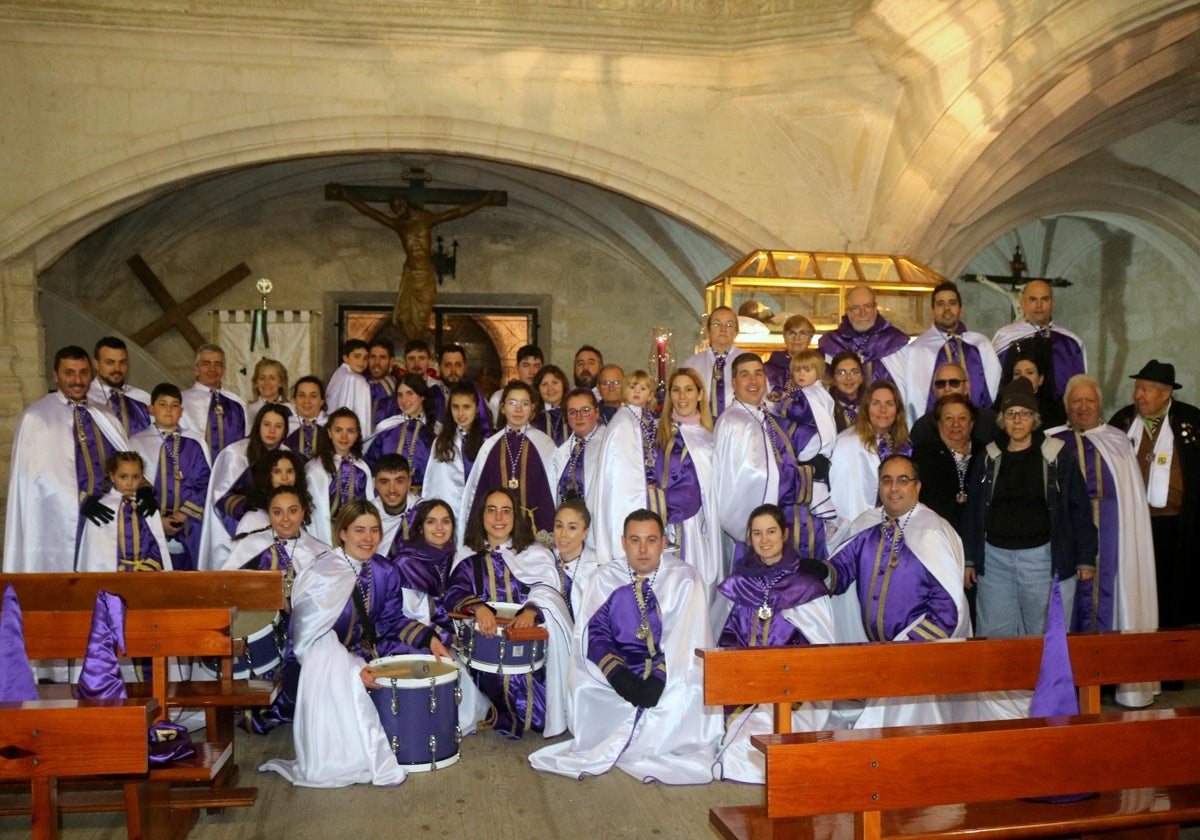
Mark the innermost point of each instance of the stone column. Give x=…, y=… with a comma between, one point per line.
x=22, y=355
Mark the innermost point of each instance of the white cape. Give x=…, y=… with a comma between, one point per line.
x=98, y=543
x=347, y=389
x=318, y=487
x=937, y=545
x=339, y=739
x=914, y=365
x=675, y=741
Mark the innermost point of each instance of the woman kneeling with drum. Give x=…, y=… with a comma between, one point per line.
x=346, y=609
x=501, y=571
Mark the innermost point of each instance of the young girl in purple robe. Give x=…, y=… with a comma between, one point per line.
x=337, y=473
x=501, y=562
x=779, y=598
x=132, y=541
x=409, y=433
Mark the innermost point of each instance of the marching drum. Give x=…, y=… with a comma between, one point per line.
x=259, y=631
x=418, y=707
x=510, y=651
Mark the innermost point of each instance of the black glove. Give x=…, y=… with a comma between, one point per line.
x=650, y=691
x=147, y=502
x=814, y=567
x=98, y=512
x=626, y=684
x=820, y=467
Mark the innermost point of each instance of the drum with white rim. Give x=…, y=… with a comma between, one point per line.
x=510, y=651
x=418, y=708
x=260, y=633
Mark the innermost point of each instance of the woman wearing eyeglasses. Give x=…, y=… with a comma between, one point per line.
x=846, y=388
x=1027, y=518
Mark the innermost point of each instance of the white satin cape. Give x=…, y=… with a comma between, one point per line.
x=913, y=367
x=227, y=468
x=303, y=550
x=535, y=567
x=1136, y=605
x=195, y=408
x=937, y=545
x=745, y=475
x=619, y=482
x=542, y=442
x=737, y=759
x=446, y=480
x=703, y=363
x=98, y=543
x=675, y=741
x=347, y=389
x=318, y=487
x=853, y=480
x=43, y=492
x=338, y=737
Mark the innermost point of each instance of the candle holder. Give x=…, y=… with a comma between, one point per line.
x=662, y=359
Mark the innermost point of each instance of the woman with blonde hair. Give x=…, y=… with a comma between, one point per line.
x=879, y=430
x=269, y=383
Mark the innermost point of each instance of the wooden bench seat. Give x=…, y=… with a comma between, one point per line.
x=44, y=742
x=966, y=780
x=247, y=591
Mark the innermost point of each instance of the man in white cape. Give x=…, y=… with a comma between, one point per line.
x=645, y=715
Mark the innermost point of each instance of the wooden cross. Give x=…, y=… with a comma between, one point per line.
x=177, y=314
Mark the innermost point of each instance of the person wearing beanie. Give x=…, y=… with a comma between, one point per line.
x=1027, y=518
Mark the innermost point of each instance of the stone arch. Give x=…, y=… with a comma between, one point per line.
x=52, y=223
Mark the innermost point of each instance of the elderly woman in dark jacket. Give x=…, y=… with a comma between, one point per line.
x=1027, y=516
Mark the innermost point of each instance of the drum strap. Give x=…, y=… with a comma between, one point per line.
x=368, y=625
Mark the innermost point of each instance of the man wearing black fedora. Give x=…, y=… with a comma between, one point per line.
x=1165, y=435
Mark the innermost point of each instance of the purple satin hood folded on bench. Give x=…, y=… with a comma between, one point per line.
x=101, y=675
x=16, y=676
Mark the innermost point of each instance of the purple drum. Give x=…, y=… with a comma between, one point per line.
x=418, y=707
x=499, y=654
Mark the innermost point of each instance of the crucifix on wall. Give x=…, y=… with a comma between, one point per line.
x=413, y=224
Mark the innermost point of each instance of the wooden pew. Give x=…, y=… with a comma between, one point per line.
x=783, y=676
x=43, y=741
x=244, y=590
x=155, y=634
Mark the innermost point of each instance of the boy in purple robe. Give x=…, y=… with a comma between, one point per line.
x=178, y=468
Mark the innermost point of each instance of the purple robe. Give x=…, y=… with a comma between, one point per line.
x=424, y=568
x=412, y=439
x=966, y=356
x=226, y=422
x=383, y=398
x=181, y=484
x=892, y=597
x=304, y=439
x=613, y=634
x=91, y=451
x=779, y=372
x=795, y=490
x=537, y=500
x=403, y=533
x=518, y=700
x=676, y=497
x=379, y=582
x=552, y=421
x=845, y=409
x=132, y=414
x=1066, y=356
x=789, y=587
x=880, y=340
x=1095, y=598
x=137, y=548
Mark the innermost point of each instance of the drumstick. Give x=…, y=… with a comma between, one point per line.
x=415, y=670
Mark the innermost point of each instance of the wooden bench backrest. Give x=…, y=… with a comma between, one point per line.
x=912, y=766
x=245, y=590
x=734, y=676
x=74, y=737
x=148, y=633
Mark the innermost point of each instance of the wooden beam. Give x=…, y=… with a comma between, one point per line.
x=177, y=314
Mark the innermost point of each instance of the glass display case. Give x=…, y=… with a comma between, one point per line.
x=765, y=288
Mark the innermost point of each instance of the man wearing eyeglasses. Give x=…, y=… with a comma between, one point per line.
x=712, y=363
x=901, y=567
x=864, y=331
x=611, y=386
x=579, y=456
x=947, y=341
x=952, y=379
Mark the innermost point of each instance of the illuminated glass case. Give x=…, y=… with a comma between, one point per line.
x=765, y=288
